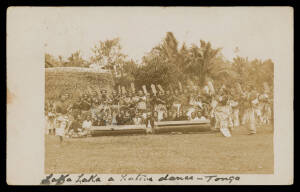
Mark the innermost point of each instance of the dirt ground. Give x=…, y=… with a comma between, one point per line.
x=203, y=153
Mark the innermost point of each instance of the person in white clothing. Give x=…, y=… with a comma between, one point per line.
x=87, y=125
x=61, y=121
x=223, y=116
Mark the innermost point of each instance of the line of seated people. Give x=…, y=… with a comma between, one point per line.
x=80, y=125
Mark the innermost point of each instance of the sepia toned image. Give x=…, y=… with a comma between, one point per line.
x=174, y=94
x=180, y=107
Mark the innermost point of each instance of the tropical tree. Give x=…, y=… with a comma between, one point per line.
x=169, y=47
x=167, y=64
x=254, y=72
x=75, y=60
x=155, y=70
x=51, y=61
x=205, y=63
x=162, y=65
x=126, y=73
x=108, y=55
x=240, y=65
x=267, y=70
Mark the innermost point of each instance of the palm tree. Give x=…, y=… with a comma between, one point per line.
x=205, y=62
x=170, y=46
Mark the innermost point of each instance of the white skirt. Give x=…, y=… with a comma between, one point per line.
x=225, y=132
x=61, y=125
x=60, y=131
x=236, y=117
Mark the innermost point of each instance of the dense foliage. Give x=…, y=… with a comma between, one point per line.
x=167, y=64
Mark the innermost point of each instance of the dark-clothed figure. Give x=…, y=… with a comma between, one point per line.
x=75, y=125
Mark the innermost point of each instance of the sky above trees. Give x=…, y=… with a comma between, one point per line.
x=257, y=32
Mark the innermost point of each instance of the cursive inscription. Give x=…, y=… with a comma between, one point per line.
x=56, y=180
x=229, y=179
x=83, y=179
x=139, y=177
x=125, y=178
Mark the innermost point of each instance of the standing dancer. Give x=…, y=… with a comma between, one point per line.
x=214, y=104
x=51, y=119
x=222, y=113
x=235, y=111
x=249, y=116
x=266, y=109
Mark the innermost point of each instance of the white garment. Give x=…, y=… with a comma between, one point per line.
x=255, y=101
x=258, y=112
x=233, y=103
x=144, y=115
x=249, y=119
x=225, y=132
x=190, y=111
x=137, y=121
x=142, y=103
x=206, y=89
x=214, y=104
x=61, y=125
x=60, y=131
x=87, y=124
x=211, y=88
x=236, y=120
x=160, y=115
x=196, y=118
x=149, y=128
x=203, y=118
x=177, y=106
x=199, y=104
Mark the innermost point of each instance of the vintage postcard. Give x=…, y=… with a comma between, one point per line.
x=150, y=95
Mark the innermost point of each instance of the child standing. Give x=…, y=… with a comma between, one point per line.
x=149, y=123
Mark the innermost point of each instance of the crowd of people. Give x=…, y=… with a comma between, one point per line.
x=226, y=108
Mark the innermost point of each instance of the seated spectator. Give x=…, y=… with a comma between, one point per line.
x=200, y=115
x=85, y=103
x=193, y=116
x=183, y=115
x=109, y=119
x=155, y=116
x=104, y=120
x=120, y=117
x=171, y=115
x=165, y=117
x=126, y=118
x=97, y=121
x=177, y=117
x=137, y=119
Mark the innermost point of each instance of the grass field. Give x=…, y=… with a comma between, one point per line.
x=205, y=153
